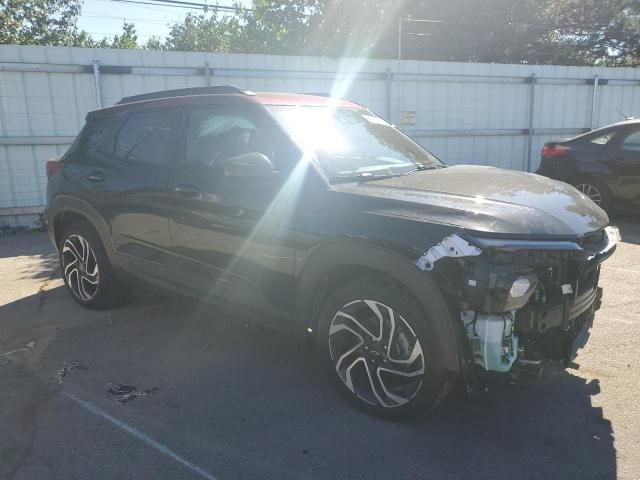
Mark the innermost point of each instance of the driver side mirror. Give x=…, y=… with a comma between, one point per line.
x=252, y=164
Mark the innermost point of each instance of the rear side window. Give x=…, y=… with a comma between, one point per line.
x=146, y=137
x=632, y=142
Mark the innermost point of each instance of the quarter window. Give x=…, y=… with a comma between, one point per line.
x=632, y=142
x=96, y=142
x=146, y=137
x=603, y=139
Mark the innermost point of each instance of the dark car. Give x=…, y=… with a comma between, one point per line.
x=328, y=223
x=603, y=164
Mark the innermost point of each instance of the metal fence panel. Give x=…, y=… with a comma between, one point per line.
x=489, y=114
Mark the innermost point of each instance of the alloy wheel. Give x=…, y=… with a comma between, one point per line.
x=80, y=267
x=376, y=354
x=592, y=192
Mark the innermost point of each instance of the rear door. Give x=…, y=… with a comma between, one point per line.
x=131, y=156
x=231, y=235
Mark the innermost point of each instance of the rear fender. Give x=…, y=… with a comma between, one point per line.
x=64, y=203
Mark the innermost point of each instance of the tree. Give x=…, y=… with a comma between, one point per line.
x=278, y=26
x=127, y=39
x=203, y=33
x=38, y=22
x=154, y=43
x=592, y=31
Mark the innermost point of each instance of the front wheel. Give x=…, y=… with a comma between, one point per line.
x=374, y=339
x=86, y=270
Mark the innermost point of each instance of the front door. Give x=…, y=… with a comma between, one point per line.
x=231, y=235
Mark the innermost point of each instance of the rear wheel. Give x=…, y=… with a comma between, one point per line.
x=595, y=191
x=374, y=340
x=86, y=270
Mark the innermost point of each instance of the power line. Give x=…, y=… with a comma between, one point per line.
x=183, y=4
x=123, y=17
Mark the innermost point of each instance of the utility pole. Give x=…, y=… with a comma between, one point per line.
x=400, y=38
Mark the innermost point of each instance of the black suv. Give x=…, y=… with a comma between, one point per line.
x=334, y=226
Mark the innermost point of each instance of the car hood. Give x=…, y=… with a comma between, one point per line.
x=483, y=199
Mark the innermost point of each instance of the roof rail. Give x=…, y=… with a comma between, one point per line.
x=183, y=92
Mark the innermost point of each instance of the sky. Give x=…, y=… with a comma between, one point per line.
x=104, y=18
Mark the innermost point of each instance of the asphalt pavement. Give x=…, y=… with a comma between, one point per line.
x=167, y=388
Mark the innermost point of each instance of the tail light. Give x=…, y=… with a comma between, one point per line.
x=52, y=167
x=553, y=150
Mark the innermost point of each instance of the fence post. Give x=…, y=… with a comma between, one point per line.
x=532, y=97
x=207, y=74
x=594, y=99
x=388, y=80
x=96, y=79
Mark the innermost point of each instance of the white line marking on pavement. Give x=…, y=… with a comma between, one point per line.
x=91, y=407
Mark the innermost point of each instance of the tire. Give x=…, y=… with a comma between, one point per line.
x=388, y=373
x=86, y=270
x=595, y=190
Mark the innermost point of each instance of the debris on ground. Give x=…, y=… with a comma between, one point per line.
x=126, y=393
x=66, y=368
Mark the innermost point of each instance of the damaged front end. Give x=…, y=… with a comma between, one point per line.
x=520, y=302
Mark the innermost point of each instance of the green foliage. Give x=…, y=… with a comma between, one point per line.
x=39, y=22
x=203, y=33
x=595, y=31
x=575, y=32
x=127, y=39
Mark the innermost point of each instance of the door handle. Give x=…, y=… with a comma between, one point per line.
x=187, y=190
x=96, y=177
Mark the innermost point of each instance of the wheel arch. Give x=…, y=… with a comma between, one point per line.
x=609, y=189
x=341, y=261
x=65, y=211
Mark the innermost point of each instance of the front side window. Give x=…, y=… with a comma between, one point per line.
x=146, y=137
x=632, y=142
x=214, y=136
x=352, y=141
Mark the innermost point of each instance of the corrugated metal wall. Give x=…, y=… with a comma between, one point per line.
x=465, y=113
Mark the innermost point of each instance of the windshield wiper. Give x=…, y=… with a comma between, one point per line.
x=359, y=177
x=421, y=167
x=368, y=176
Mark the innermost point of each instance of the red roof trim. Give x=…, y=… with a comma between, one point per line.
x=295, y=99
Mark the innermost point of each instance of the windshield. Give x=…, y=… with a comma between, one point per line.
x=350, y=142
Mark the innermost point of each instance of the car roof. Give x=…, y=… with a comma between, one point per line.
x=220, y=94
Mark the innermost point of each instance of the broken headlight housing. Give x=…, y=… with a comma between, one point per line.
x=497, y=289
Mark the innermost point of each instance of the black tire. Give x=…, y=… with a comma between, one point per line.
x=416, y=394
x=107, y=291
x=590, y=187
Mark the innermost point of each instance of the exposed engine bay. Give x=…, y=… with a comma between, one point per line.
x=522, y=303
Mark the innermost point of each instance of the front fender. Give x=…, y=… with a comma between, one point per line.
x=345, y=253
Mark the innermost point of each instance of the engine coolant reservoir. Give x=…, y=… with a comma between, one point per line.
x=493, y=344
